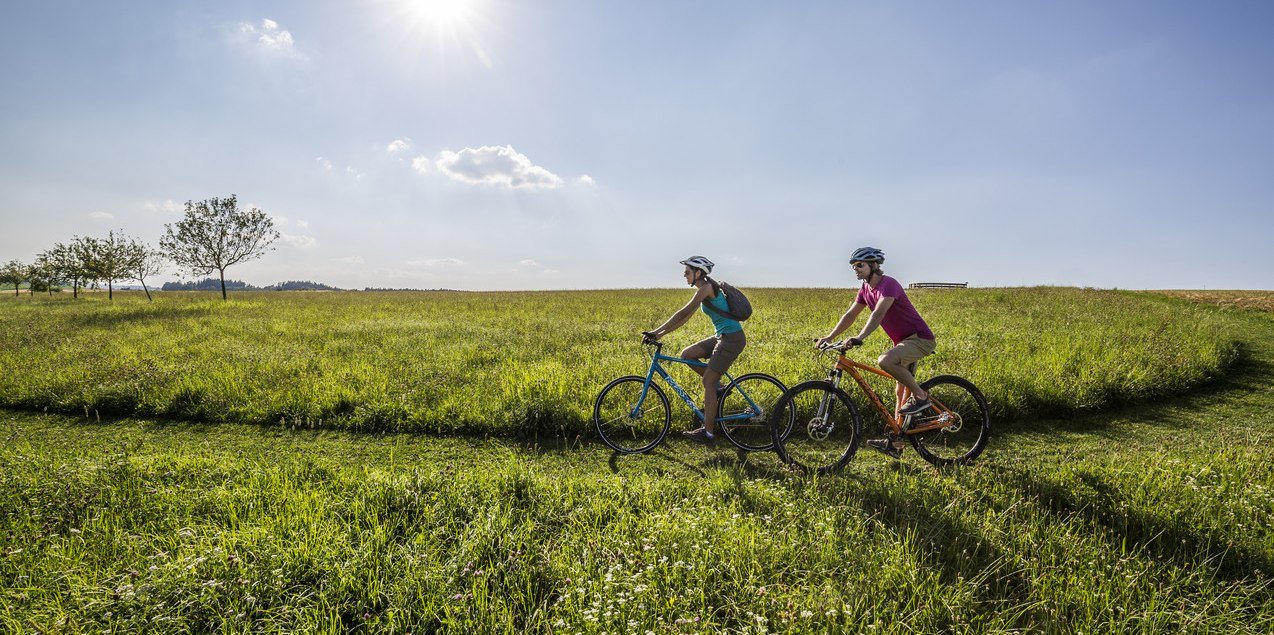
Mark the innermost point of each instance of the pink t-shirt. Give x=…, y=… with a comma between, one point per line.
x=902, y=320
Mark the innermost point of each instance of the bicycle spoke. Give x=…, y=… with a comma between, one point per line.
x=956, y=428
x=623, y=425
x=744, y=409
x=815, y=427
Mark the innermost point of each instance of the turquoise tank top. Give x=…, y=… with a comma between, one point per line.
x=722, y=323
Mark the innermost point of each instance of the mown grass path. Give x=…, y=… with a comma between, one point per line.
x=1150, y=519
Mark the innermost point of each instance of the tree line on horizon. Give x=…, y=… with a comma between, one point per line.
x=213, y=235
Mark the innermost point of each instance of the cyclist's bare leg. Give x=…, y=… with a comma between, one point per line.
x=710, y=380
x=890, y=363
x=690, y=353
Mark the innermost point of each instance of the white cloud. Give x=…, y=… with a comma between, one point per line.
x=323, y=163
x=349, y=170
x=270, y=37
x=435, y=263
x=531, y=265
x=300, y=242
x=585, y=180
x=167, y=206
x=303, y=224
x=420, y=164
x=353, y=260
x=397, y=145
x=101, y=216
x=495, y=165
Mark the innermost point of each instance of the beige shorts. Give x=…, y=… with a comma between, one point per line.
x=720, y=350
x=913, y=349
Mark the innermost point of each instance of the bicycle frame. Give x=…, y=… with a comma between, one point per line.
x=897, y=421
x=657, y=368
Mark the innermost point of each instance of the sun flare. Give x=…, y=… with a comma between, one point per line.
x=442, y=13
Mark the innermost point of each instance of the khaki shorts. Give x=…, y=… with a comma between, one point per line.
x=913, y=349
x=720, y=351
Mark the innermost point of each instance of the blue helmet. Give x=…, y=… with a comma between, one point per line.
x=867, y=254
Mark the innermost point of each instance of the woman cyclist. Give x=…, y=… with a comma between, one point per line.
x=720, y=350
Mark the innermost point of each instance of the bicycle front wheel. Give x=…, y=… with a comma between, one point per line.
x=815, y=427
x=956, y=428
x=630, y=416
x=743, y=411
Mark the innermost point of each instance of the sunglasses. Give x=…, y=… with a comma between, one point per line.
x=859, y=265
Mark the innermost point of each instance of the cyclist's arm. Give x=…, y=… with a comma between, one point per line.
x=683, y=314
x=844, y=323
x=877, y=314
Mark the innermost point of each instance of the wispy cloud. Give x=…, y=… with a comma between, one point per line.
x=298, y=241
x=167, y=206
x=495, y=165
x=398, y=145
x=435, y=263
x=323, y=163
x=269, y=36
x=353, y=260
x=101, y=216
x=421, y=164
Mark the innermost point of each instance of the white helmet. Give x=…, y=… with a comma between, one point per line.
x=700, y=263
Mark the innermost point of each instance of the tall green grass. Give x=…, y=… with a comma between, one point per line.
x=137, y=527
x=526, y=364
x=1150, y=519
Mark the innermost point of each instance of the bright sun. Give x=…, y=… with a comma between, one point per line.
x=442, y=13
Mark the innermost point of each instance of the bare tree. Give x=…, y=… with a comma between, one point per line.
x=15, y=273
x=216, y=234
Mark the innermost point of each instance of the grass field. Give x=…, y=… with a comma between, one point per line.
x=530, y=364
x=1153, y=518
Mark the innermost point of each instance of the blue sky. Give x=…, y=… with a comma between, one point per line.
x=492, y=144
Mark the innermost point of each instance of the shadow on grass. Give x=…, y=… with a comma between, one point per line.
x=1166, y=537
x=957, y=551
x=1249, y=376
x=131, y=314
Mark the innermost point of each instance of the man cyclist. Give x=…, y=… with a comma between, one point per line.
x=892, y=311
x=720, y=350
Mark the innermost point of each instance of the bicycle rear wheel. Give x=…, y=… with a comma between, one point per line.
x=815, y=427
x=751, y=398
x=956, y=428
x=627, y=421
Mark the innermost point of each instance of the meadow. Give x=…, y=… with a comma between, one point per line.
x=530, y=364
x=1138, y=511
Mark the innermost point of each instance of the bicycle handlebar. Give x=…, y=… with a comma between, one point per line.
x=839, y=348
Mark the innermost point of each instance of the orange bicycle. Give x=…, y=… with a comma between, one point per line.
x=815, y=425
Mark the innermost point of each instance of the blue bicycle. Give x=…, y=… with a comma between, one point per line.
x=632, y=413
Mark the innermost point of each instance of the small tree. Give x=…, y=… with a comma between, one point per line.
x=44, y=273
x=78, y=263
x=113, y=258
x=15, y=273
x=147, y=262
x=215, y=234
